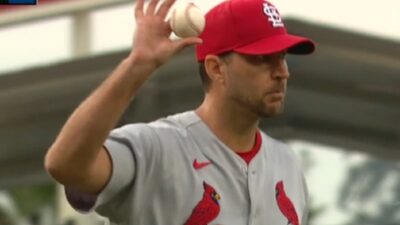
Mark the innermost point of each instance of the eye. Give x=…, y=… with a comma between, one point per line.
x=254, y=59
x=265, y=59
x=274, y=58
x=282, y=55
x=257, y=59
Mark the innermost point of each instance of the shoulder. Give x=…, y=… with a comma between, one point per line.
x=174, y=124
x=279, y=150
x=275, y=144
x=162, y=132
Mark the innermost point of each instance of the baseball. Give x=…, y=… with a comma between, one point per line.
x=187, y=20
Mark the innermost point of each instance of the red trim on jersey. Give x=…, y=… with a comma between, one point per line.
x=249, y=155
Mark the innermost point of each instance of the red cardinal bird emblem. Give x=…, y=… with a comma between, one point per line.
x=285, y=204
x=207, y=209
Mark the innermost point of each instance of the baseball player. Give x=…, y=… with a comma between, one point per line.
x=212, y=165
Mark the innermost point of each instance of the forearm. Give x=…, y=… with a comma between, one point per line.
x=80, y=140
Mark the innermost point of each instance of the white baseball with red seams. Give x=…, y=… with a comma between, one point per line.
x=187, y=20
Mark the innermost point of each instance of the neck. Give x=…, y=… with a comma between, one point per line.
x=234, y=126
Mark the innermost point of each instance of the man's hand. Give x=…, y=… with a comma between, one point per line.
x=152, y=43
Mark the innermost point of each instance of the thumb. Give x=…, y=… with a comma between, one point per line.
x=183, y=43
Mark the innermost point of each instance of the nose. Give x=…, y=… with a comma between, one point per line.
x=281, y=70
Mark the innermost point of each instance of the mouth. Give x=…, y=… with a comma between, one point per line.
x=277, y=96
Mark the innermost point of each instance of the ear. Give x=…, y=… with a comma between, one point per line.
x=215, y=68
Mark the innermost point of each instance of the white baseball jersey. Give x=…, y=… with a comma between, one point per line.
x=175, y=171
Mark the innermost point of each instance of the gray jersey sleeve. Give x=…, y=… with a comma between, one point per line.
x=130, y=147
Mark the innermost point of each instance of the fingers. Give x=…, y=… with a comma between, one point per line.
x=152, y=7
x=164, y=8
x=139, y=8
x=181, y=44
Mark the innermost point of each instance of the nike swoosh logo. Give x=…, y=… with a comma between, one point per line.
x=199, y=165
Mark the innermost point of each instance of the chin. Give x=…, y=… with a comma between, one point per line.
x=271, y=112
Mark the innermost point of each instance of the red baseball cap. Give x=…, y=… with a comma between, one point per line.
x=252, y=27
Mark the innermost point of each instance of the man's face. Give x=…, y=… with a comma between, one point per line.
x=257, y=82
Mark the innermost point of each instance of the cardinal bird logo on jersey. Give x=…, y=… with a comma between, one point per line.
x=285, y=204
x=207, y=209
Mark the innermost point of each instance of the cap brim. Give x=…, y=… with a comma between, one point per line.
x=278, y=43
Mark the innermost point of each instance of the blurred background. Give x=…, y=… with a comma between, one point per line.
x=342, y=112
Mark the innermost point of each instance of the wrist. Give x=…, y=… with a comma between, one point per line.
x=133, y=71
x=137, y=68
x=139, y=61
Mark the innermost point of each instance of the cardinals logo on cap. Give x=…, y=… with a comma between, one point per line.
x=273, y=15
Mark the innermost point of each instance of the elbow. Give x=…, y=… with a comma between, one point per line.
x=62, y=169
x=57, y=168
x=52, y=167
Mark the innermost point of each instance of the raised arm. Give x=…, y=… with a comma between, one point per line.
x=77, y=157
